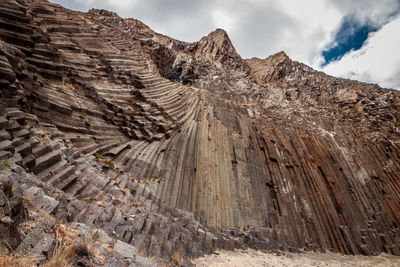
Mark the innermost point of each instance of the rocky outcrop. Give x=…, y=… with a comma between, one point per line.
x=171, y=147
x=270, y=69
x=12, y=210
x=216, y=47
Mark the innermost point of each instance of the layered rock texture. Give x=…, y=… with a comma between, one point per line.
x=171, y=147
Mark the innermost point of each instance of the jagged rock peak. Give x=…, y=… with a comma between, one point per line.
x=217, y=46
x=218, y=34
x=274, y=59
x=269, y=69
x=279, y=57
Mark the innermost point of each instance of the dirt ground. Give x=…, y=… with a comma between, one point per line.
x=255, y=259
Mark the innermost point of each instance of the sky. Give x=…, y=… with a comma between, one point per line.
x=356, y=39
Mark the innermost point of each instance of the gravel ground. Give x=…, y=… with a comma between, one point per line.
x=254, y=258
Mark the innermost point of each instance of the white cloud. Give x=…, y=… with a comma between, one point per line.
x=376, y=12
x=257, y=27
x=315, y=22
x=303, y=29
x=123, y=4
x=378, y=61
x=224, y=19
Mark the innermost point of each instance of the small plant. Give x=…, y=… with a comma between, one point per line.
x=176, y=259
x=85, y=248
x=46, y=81
x=68, y=246
x=8, y=166
x=27, y=201
x=63, y=78
x=64, y=251
x=131, y=100
x=103, y=160
x=153, y=129
x=110, y=164
x=96, y=236
x=63, y=255
x=132, y=190
x=145, y=48
x=137, y=109
x=157, y=179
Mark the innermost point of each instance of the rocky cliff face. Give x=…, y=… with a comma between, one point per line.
x=181, y=147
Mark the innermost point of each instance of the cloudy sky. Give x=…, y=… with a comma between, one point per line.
x=357, y=39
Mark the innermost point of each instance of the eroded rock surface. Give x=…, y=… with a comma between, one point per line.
x=174, y=147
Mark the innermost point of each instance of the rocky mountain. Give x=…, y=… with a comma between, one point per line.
x=145, y=146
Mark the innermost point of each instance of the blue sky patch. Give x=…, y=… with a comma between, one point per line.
x=350, y=36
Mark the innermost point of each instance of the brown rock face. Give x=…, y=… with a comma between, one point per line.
x=270, y=69
x=216, y=47
x=265, y=153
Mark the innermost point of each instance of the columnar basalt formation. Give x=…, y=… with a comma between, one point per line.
x=196, y=148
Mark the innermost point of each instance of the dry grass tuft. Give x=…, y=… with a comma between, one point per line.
x=157, y=179
x=85, y=248
x=104, y=160
x=12, y=260
x=64, y=232
x=6, y=165
x=8, y=259
x=69, y=245
x=63, y=255
x=64, y=251
x=176, y=259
